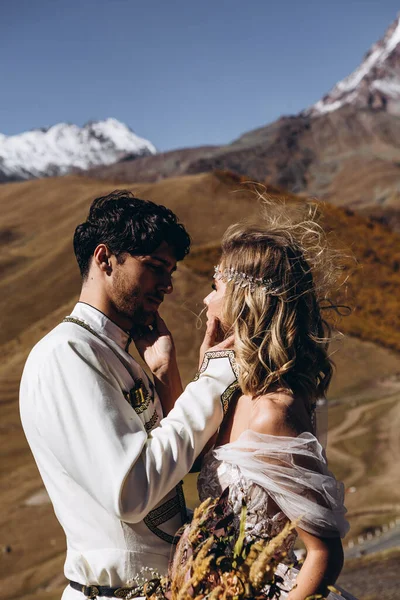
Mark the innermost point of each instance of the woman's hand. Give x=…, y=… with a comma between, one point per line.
x=214, y=339
x=156, y=346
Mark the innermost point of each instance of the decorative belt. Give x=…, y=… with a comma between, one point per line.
x=92, y=591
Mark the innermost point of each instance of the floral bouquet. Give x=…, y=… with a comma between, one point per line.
x=214, y=560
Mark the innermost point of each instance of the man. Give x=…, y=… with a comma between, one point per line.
x=111, y=463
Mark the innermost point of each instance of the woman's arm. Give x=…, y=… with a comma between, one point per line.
x=324, y=559
x=198, y=463
x=213, y=340
x=321, y=568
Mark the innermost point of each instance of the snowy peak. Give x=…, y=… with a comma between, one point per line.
x=375, y=83
x=65, y=147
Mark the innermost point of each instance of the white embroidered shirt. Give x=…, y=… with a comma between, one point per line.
x=111, y=464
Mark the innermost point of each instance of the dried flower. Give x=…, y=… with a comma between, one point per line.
x=215, y=562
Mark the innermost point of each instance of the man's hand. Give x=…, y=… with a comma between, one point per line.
x=157, y=349
x=214, y=339
x=155, y=345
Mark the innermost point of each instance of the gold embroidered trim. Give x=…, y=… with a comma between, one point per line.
x=139, y=396
x=218, y=354
x=228, y=395
x=165, y=512
x=149, y=425
x=233, y=387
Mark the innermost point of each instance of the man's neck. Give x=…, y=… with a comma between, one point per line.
x=103, y=304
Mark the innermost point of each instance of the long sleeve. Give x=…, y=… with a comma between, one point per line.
x=99, y=440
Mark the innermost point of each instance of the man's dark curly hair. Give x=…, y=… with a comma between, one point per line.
x=126, y=224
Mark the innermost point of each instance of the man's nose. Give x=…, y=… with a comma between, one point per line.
x=166, y=285
x=170, y=288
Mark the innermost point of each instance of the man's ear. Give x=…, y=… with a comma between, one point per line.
x=102, y=258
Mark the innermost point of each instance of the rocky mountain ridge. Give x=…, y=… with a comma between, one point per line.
x=64, y=147
x=344, y=149
x=375, y=83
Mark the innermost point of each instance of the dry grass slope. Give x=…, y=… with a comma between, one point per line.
x=40, y=284
x=373, y=577
x=373, y=287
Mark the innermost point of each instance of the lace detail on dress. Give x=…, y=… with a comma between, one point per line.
x=216, y=476
x=267, y=472
x=263, y=471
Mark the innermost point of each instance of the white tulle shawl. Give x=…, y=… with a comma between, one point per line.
x=294, y=472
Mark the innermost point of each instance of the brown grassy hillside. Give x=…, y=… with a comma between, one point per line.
x=349, y=157
x=39, y=273
x=373, y=288
x=38, y=219
x=40, y=283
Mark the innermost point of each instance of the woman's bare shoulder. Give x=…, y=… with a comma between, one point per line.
x=272, y=415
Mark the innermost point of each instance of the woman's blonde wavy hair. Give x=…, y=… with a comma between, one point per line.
x=281, y=339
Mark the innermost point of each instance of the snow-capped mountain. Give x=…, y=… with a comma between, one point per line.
x=65, y=147
x=375, y=83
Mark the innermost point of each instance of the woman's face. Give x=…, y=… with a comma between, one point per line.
x=214, y=301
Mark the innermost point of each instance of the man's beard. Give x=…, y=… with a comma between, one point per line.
x=126, y=302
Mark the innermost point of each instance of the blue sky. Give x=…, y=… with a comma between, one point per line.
x=178, y=72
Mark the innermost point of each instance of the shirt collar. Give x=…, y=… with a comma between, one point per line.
x=102, y=324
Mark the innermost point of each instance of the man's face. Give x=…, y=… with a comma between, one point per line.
x=138, y=285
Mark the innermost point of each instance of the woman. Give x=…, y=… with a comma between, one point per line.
x=267, y=294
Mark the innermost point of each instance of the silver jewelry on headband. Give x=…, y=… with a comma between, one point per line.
x=243, y=280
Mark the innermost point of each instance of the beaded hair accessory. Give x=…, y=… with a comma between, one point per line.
x=243, y=280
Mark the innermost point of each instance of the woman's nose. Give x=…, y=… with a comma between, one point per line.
x=206, y=300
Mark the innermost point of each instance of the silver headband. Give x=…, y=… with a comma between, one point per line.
x=243, y=280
